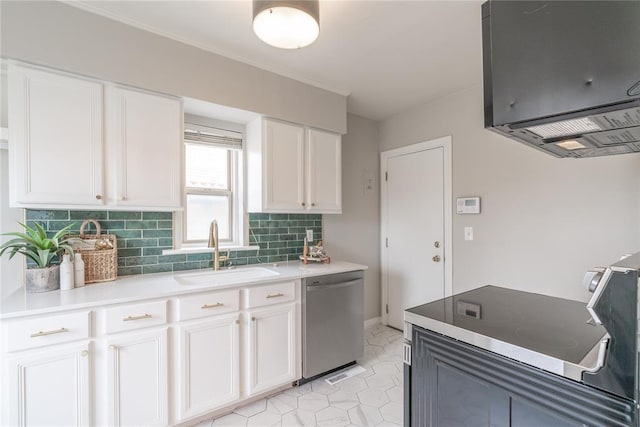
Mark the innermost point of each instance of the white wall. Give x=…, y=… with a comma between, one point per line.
x=60, y=36
x=544, y=221
x=355, y=235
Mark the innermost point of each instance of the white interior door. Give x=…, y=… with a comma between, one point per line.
x=415, y=205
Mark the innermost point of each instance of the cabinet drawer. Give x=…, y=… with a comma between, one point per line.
x=271, y=294
x=208, y=304
x=135, y=316
x=41, y=331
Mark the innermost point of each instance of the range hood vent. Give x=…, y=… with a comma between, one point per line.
x=563, y=76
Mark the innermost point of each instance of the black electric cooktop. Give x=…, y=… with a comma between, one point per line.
x=553, y=326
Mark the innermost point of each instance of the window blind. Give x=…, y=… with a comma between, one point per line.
x=212, y=136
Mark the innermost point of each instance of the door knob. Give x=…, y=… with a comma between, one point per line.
x=436, y=258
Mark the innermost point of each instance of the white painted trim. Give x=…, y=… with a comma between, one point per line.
x=445, y=144
x=372, y=322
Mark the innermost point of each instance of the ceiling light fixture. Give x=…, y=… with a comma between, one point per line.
x=287, y=24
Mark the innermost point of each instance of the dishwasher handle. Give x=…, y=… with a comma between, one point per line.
x=318, y=287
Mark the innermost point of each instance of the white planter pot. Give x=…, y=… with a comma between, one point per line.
x=43, y=279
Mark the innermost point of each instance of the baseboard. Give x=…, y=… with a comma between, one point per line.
x=371, y=322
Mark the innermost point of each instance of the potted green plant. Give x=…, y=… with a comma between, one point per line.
x=42, y=250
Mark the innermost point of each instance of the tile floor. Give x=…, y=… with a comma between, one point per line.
x=372, y=398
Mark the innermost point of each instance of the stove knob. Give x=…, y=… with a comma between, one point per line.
x=592, y=278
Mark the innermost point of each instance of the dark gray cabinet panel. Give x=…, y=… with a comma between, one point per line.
x=523, y=414
x=456, y=384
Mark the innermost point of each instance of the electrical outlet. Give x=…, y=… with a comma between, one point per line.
x=309, y=235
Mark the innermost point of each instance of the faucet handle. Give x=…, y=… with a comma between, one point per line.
x=224, y=257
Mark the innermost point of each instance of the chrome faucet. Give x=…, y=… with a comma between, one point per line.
x=214, y=243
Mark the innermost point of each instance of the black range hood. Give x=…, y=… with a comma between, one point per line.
x=563, y=76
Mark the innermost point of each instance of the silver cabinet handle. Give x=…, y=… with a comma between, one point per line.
x=129, y=318
x=84, y=353
x=112, y=347
x=253, y=319
x=44, y=333
x=98, y=197
x=218, y=304
x=275, y=295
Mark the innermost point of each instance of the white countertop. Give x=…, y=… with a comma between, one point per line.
x=134, y=288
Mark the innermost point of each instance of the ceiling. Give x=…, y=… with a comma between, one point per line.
x=388, y=56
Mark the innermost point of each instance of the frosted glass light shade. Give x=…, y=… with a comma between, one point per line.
x=286, y=24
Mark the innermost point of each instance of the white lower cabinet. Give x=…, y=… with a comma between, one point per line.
x=152, y=362
x=49, y=386
x=271, y=344
x=137, y=377
x=209, y=365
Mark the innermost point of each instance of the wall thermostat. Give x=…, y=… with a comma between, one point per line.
x=468, y=205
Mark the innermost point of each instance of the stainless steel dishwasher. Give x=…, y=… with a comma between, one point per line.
x=332, y=321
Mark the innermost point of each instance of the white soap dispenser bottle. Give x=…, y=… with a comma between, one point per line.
x=78, y=268
x=66, y=273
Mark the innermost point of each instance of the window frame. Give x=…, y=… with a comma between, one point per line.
x=237, y=201
x=228, y=193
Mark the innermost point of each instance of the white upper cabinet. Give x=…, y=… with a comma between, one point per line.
x=57, y=125
x=283, y=166
x=56, y=138
x=144, y=152
x=292, y=168
x=324, y=176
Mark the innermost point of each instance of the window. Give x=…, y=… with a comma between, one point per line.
x=212, y=167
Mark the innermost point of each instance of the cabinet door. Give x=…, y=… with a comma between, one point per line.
x=137, y=379
x=272, y=347
x=283, y=163
x=208, y=365
x=55, y=134
x=324, y=172
x=144, y=139
x=49, y=387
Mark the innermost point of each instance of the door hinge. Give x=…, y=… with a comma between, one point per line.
x=386, y=242
x=387, y=308
x=386, y=176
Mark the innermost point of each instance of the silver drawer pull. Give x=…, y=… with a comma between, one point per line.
x=275, y=295
x=44, y=333
x=218, y=304
x=144, y=316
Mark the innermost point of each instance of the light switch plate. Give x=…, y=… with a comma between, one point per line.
x=468, y=233
x=309, y=235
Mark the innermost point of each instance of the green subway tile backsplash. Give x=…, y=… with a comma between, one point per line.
x=142, y=236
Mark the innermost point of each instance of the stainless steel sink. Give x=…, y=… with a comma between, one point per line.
x=225, y=277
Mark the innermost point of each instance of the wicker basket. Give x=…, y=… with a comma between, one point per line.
x=100, y=265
